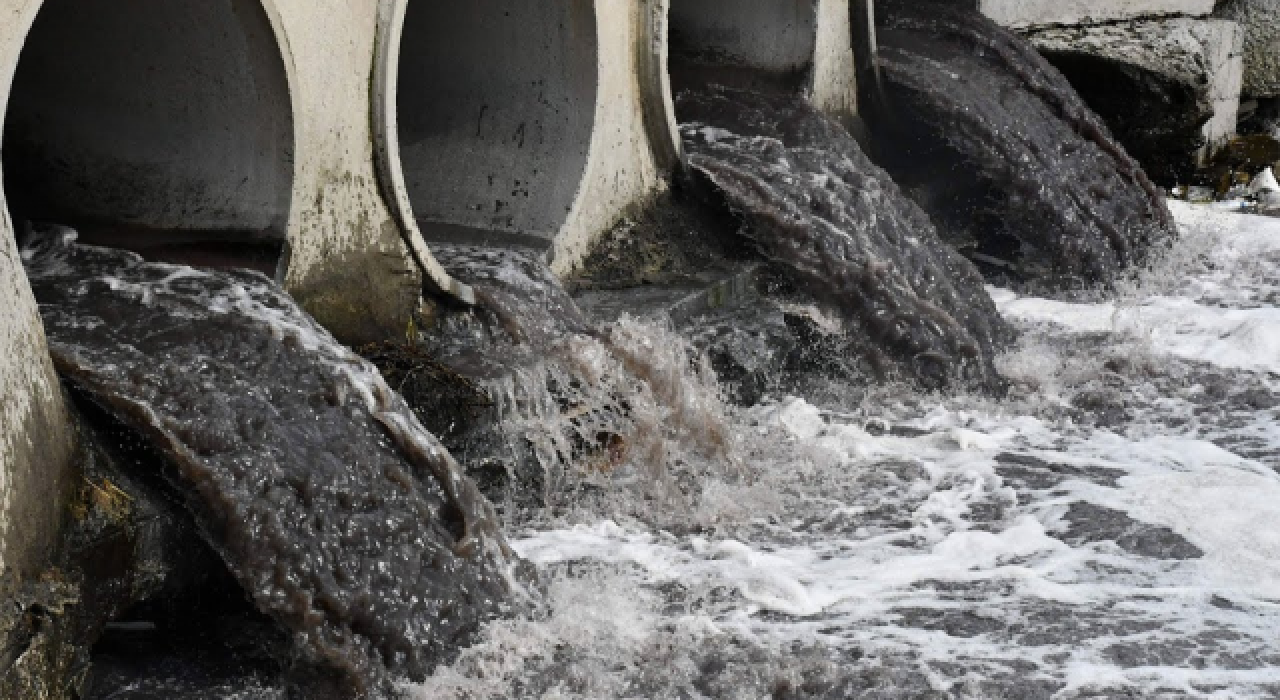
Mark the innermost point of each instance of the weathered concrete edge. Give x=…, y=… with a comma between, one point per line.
x=1026, y=14
x=37, y=444
x=386, y=62
x=634, y=142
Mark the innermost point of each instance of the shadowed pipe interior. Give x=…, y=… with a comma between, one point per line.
x=761, y=44
x=159, y=126
x=495, y=110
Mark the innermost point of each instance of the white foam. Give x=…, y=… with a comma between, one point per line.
x=839, y=536
x=1241, y=256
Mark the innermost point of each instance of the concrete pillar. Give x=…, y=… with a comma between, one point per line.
x=36, y=444
x=353, y=265
x=785, y=44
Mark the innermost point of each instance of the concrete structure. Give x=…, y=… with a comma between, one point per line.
x=805, y=44
x=517, y=123
x=280, y=122
x=1040, y=13
x=36, y=445
x=1260, y=20
x=226, y=120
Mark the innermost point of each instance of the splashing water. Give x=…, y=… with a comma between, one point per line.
x=626, y=412
x=1108, y=529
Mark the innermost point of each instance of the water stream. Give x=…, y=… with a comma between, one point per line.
x=339, y=515
x=1041, y=495
x=1108, y=529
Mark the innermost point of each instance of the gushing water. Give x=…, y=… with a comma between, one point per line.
x=580, y=413
x=814, y=204
x=339, y=515
x=1108, y=529
x=1004, y=155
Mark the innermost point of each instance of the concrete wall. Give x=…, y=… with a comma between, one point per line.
x=1260, y=20
x=1037, y=13
x=807, y=42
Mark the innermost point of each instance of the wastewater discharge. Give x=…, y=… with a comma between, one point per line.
x=340, y=516
x=1004, y=155
x=579, y=413
x=815, y=205
x=1107, y=529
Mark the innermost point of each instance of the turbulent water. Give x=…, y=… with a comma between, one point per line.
x=1004, y=155
x=1108, y=529
x=339, y=515
x=815, y=204
x=577, y=412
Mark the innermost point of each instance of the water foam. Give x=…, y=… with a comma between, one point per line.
x=1107, y=529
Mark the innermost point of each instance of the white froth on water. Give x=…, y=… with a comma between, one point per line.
x=963, y=546
x=1226, y=314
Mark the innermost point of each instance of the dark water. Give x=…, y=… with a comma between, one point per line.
x=813, y=203
x=341, y=517
x=1004, y=155
x=574, y=410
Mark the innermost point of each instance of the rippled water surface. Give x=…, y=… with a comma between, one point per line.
x=1111, y=528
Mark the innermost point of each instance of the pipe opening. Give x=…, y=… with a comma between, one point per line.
x=158, y=126
x=764, y=45
x=495, y=107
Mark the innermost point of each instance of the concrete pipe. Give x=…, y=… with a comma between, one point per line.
x=804, y=45
x=150, y=123
x=510, y=123
x=496, y=103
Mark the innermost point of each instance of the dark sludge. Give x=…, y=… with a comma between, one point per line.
x=813, y=203
x=1002, y=153
x=342, y=518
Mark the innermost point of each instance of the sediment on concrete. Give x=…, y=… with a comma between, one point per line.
x=768, y=45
